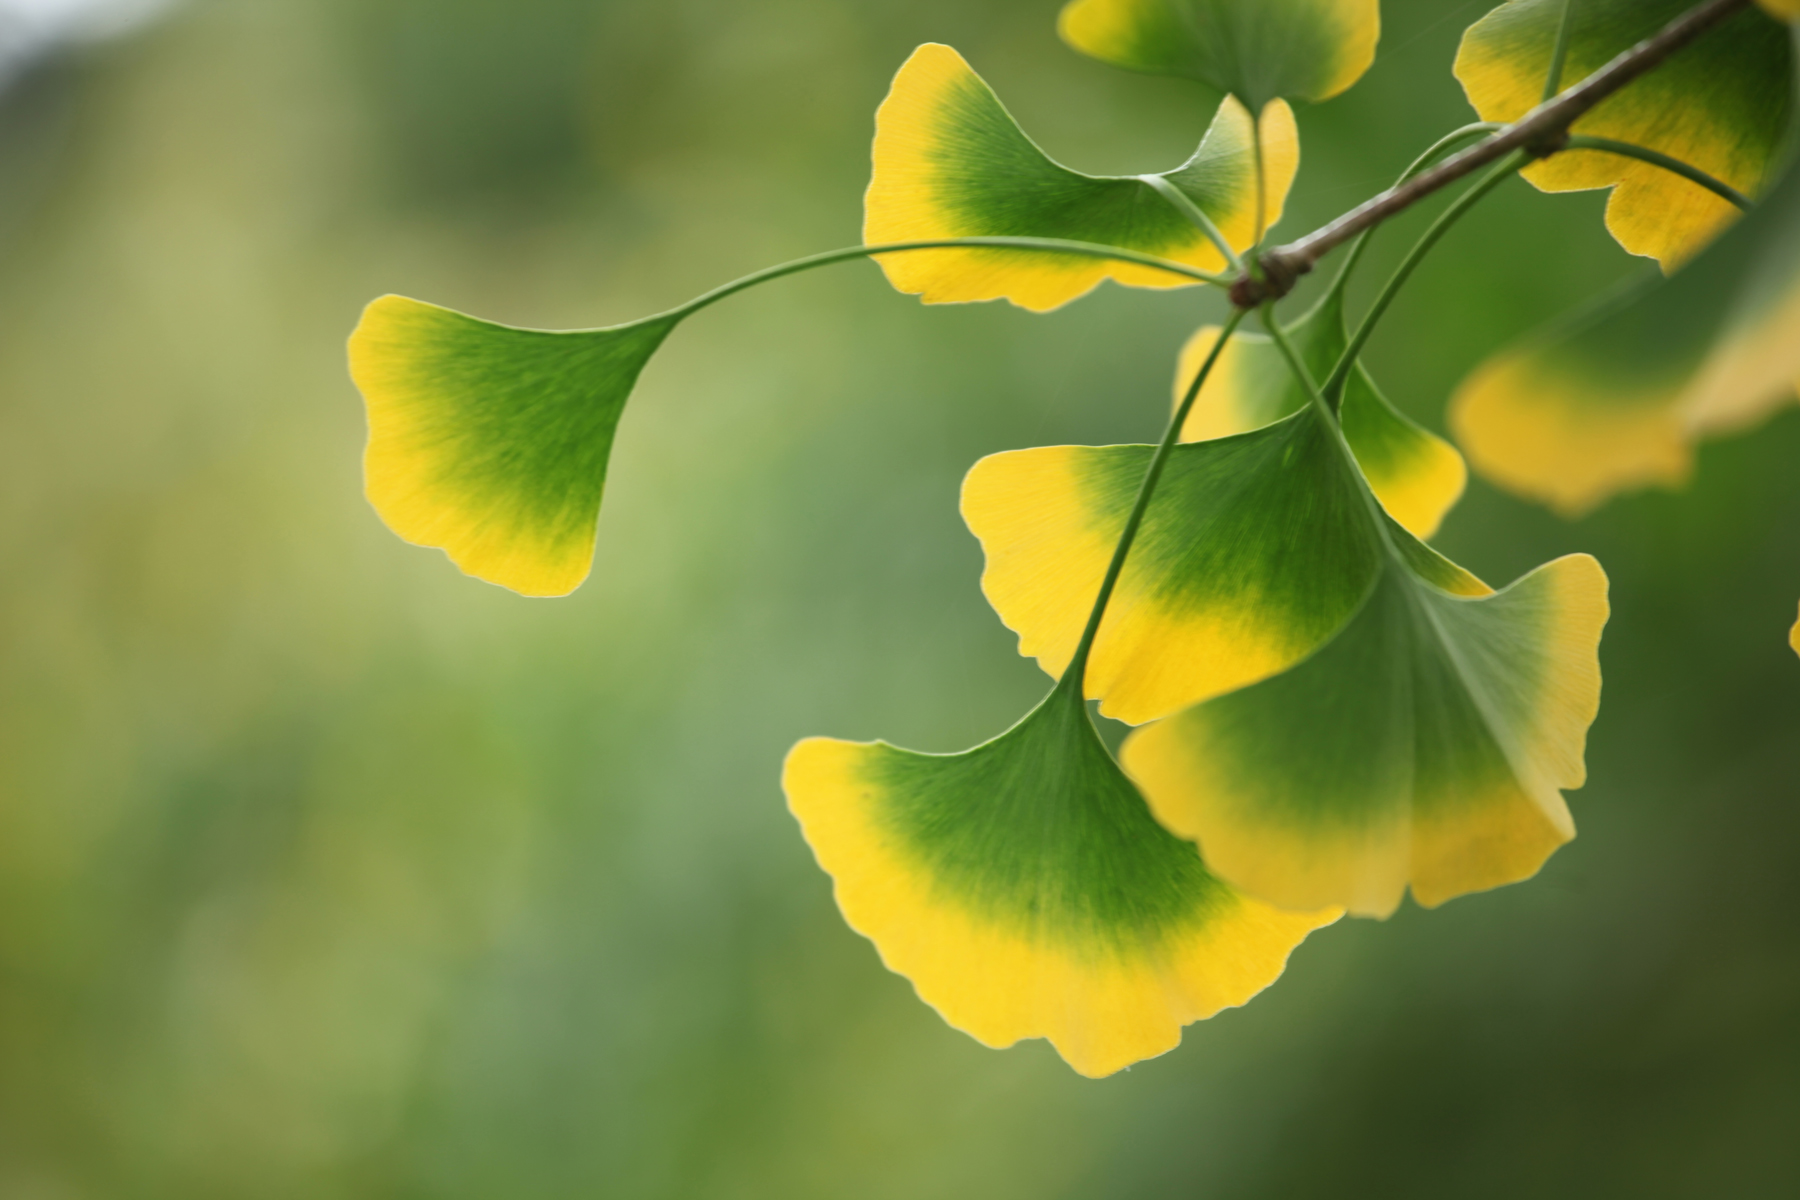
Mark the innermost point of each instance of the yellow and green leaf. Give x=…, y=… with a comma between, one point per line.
x=1254, y=49
x=1787, y=10
x=1722, y=104
x=1026, y=891
x=1353, y=713
x=1752, y=365
x=1614, y=397
x=949, y=161
x=491, y=442
x=1255, y=549
x=1417, y=476
x=1427, y=744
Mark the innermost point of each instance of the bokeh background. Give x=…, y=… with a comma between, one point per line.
x=328, y=872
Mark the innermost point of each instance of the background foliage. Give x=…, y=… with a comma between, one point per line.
x=326, y=872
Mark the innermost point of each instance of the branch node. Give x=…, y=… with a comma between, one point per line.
x=1274, y=277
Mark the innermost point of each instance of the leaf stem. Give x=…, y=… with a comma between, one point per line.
x=1538, y=131
x=1046, y=245
x=1262, y=179
x=1185, y=205
x=1559, y=56
x=1077, y=668
x=1335, y=381
x=1657, y=158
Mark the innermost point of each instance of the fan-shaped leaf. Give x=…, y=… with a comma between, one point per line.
x=1254, y=550
x=1026, y=891
x=491, y=442
x=1613, y=397
x=1426, y=743
x=1254, y=49
x=1721, y=104
x=1417, y=476
x=951, y=162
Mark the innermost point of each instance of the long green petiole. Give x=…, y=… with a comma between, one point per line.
x=1262, y=183
x=1463, y=203
x=1044, y=245
x=1656, y=158
x=1559, y=57
x=1078, y=664
x=1077, y=669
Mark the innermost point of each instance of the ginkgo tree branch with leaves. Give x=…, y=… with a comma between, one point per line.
x=1328, y=712
x=1541, y=132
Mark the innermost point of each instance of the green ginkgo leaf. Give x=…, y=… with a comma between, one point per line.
x=491, y=442
x=1614, y=397
x=1254, y=49
x=1722, y=104
x=1255, y=549
x=1417, y=476
x=1428, y=744
x=1026, y=891
x=949, y=161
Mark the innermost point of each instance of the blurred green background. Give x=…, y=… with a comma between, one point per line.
x=327, y=872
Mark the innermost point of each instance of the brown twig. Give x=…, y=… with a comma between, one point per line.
x=1542, y=132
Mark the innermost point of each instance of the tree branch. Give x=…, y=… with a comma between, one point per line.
x=1541, y=132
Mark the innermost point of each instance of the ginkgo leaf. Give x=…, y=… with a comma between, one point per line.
x=1417, y=476
x=1586, y=408
x=1613, y=397
x=1254, y=550
x=1787, y=10
x=1721, y=104
x=1752, y=365
x=1025, y=890
x=1254, y=49
x=491, y=442
x=1426, y=744
x=951, y=162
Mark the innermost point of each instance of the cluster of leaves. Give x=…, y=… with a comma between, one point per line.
x=1328, y=711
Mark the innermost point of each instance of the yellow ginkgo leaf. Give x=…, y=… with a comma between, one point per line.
x=1613, y=397
x=949, y=161
x=1255, y=49
x=1427, y=744
x=1255, y=549
x=1026, y=891
x=491, y=442
x=1722, y=104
